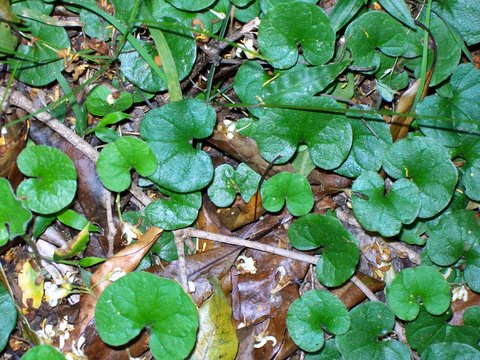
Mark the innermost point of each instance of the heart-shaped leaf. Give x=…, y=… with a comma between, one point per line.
x=54, y=179
x=103, y=100
x=14, y=218
x=413, y=285
x=447, y=351
x=328, y=136
x=428, y=329
x=46, y=352
x=117, y=160
x=178, y=211
x=384, y=213
x=293, y=189
x=227, y=182
x=371, y=31
x=462, y=15
x=138, y=72
x=254, y=86
x=313, y=311
x=428, y=165
x=450, y=120
x=191, y=5
x=280, y=34
x=457, y=235
x=370, y=142
x=169, y=131
x=340, y=252
x=141, y=299
x=370, y=322
x=8, y=316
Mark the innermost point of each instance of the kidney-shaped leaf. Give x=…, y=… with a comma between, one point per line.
x=141, y=299
x=280, y=33
x=178, y=211
x=340, y=248
x=293, y=189
x=457, y=235
x=44, y=352
x=54, y=179
x=371, y=31
x=118, y=158
x=14, y=218
x=428, y=165
x=313, y=311
x=369, y=323
x=8, y=316
x=384, y=213
x=169, y=131
x=328, y=136
x=103, y=100
x=412, y=285
x=227, y=182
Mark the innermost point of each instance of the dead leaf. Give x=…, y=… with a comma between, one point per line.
x=30, y=280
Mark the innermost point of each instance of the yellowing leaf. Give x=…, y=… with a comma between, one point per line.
x=6, y=12
x=217, y=338
x=74, y=246
x=30, y=281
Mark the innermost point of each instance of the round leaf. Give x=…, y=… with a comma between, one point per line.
x=280, y=33
x=340, y=250
x=471, y=172
x=448, y=351
x=103, y=100
x=292, y=188
x=54, y=179
x=384, y=213
x=169, y=131
x=412, y=285
x=328, y=136
x=141, y=299
x=8, y=316
x=428, y=165
x=118, y=158
x=369, y=323
x=178, y=211
x=371, y=31
x=457, y=235
x=313, y=311
x=44, y=352
x=14, y=218
x=191, y=5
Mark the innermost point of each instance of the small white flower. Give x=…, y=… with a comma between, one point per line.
x=77, y=352
x=460, y=293
x=54, y=293
x=262, y=340
x=110, y=99
x=130, y=233
x=246, y=46
x=46, y=333
x=246, y=265
x=116, y=274
x=191, y=287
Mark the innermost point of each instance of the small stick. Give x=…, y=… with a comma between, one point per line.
x=182, y=265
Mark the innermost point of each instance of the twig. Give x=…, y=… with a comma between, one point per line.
x=112, y=230
x=182, y=265
x=358, y=283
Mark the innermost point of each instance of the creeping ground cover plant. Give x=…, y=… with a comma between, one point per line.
x=240, y=179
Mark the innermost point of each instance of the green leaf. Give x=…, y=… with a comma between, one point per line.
x=103, y=100
x=413, y=234
x=313, y=311
x=447, y=351
x=413, y=285
x=117, y=160
x=253, y=85
x=399, y=10
x=302, y=163
x=138, y=72
x=328, y=136
x=268, y=5
x=457, y=236
x=249, y=12
x=8, y=42
x=462, y=14
x=461, y=109
x=340, y=252
x=370, y=142
x=169, y=131
x=76, y=221
x=366, y=339
x=53, y=180
x=371, y=31
x=471, y=316
x=106, y=135
x=6, y=12
x=384, y=213
x=344, y=11
x=217, y=337
x=74, y=246
x=427, y=329
x=240, y=3
x=165, y=247
x=191, y=5
x=179, y=211
x=90, y=261
x=280, y=34
x=8, y=316
x=45, y=64
x=227, y=182
x=141, y=299
x=428, y=165
x=328, y=352
x=44, y=352
x=14, y=218
x=95, y=26
x=111, y=118
x=293, y=189
x=471, y=170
